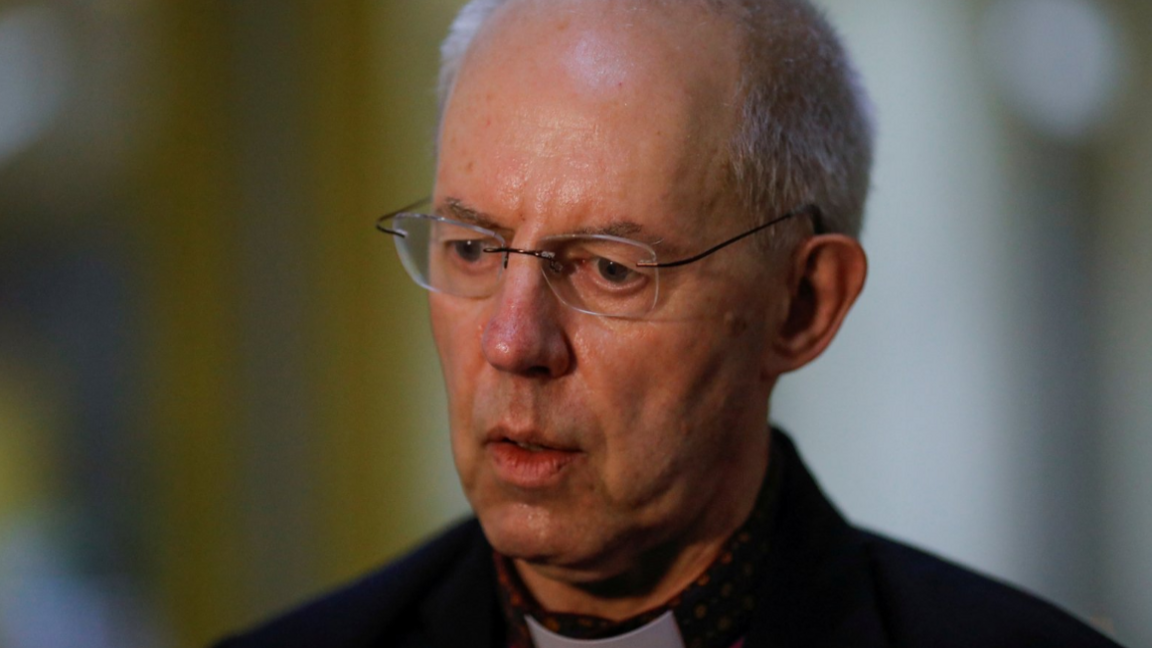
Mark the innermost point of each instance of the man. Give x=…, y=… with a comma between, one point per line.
x=645, y=213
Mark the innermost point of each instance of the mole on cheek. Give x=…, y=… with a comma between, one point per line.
x=735, y=324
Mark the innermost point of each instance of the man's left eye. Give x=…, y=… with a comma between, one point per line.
x=470, y=251
x=613, y=271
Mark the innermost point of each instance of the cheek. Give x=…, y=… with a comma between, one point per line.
x=614, y=360
x=652, y=389
x=457, y=336
x=457, y=344
x=692, y=386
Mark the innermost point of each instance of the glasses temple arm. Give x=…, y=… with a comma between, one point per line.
x=380, y=221
x=796, y=212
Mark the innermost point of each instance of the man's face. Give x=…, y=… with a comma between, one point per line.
x=583, y=441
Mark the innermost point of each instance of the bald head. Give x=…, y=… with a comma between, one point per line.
x=802, y=131
x=600, y=45
x=561, y=86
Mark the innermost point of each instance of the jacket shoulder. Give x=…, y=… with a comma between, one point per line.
x=367, y=611
x=928, y=601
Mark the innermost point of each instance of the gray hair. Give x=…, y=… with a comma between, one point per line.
x=805, y=134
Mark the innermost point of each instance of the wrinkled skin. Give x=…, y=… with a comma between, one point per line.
x=601, y=116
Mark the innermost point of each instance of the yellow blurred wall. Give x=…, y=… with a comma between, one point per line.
x=368, y=116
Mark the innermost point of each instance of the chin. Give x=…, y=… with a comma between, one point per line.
x=561, y=548
x=521, y=531
x=533, y=534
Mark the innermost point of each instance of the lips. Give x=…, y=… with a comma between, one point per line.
x=531, y=447
x=527, y=460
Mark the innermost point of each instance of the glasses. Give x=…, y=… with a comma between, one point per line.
x=592, y=273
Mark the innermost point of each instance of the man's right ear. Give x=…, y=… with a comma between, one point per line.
x=825, y=278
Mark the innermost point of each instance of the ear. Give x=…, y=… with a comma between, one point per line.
x=826, y=276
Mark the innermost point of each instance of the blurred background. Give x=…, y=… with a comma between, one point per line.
x=218, y=395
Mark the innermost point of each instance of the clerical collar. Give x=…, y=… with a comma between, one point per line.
x=712, y=612
x=659, y=633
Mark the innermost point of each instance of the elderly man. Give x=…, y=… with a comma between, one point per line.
x=645, y=213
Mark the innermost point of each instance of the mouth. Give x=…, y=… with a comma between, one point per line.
x=530, y=439
x=530, y=447
x=527, y=460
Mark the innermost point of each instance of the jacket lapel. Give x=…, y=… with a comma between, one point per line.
x=462, y=610
x=818, y=589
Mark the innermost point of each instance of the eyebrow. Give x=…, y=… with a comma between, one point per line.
x=456, y=209
x=622, y=229
x=461, y=212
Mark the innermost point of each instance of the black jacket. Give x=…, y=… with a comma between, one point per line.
x=827, y=584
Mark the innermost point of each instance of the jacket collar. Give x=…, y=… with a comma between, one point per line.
x=463, y=610
x=818, y=588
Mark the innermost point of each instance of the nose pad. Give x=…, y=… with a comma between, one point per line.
x=525, y=334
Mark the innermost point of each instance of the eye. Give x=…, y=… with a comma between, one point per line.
x=469, y=250
x=612, y=271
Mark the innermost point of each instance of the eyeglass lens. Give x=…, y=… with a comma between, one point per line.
x=591, y=273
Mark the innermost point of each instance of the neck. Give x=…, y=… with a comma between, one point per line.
x=658, y=574
x=625, y=595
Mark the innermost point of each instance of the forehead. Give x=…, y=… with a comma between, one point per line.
x=576, y=106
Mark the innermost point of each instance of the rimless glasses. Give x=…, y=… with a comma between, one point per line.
x=592, y=273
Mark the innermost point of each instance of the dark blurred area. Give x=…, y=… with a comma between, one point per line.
x=218, y=395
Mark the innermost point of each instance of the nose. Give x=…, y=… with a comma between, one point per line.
x=525, y=333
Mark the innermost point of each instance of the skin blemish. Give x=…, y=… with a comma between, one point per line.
x=735, y=323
